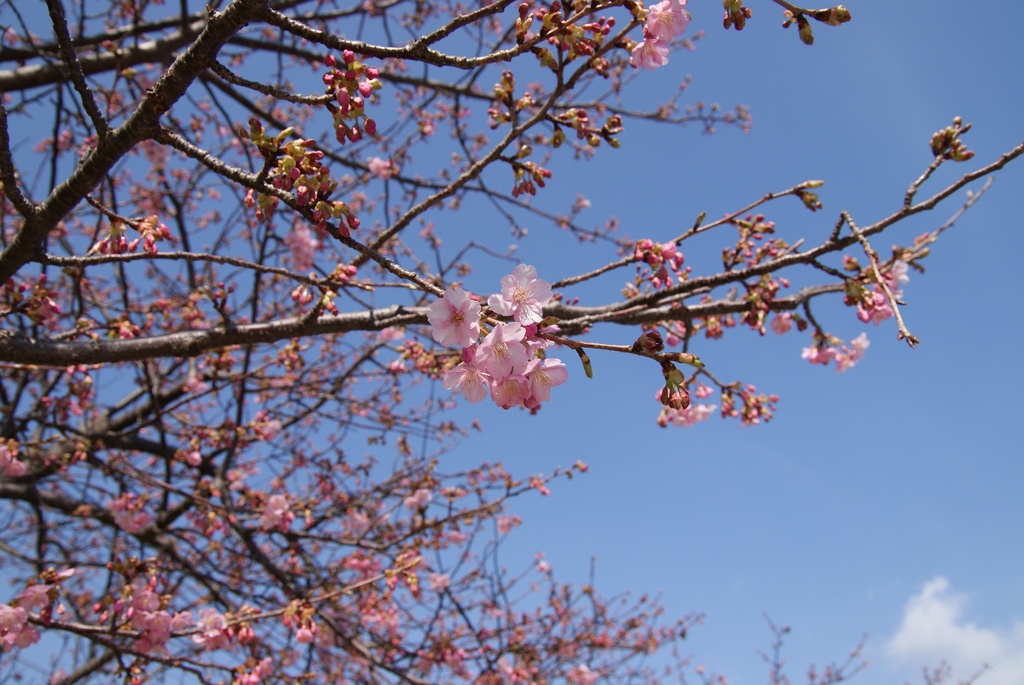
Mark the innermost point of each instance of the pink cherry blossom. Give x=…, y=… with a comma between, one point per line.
x=510, y=391
x=468, y=379
x=667, y=19
x=847, y=357
x=543, y=375
x=505, y=523
x=390, y=334
x=34, y=597
x=523, y=295
x=502, y=352
x=455, y=318
x=306, y=633
x=582, y=675
x=782, y=322
x=438, y=581
x=9, y=462
x=860, y=344
x=818, y=355
x=155, y=629
x=649, y=53
x=15, y=630
x=276, y=514
x=128, y=514
x=213, y=629
x=897, y=276
x=418, y=499
x=874, y=307
x=381, y=168
x=303, y=245
x=687, y=416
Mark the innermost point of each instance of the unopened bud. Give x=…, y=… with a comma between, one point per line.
x=649, y=342
x=837, y=15
x=806, y=34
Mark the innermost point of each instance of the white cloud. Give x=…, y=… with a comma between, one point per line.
x=934, y=630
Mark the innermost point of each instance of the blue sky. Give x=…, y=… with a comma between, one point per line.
x=886, y=500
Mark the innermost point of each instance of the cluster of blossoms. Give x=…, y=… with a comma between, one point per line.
x=350, y=83
x=381, y=168
x=128, y=513
x=298, y=168
x=38, y=300
x=151, y=229
x=509, y=363
x=845, y=356
x=665, y=21
x=15, y=629
x=664, y=260
x=873, y=305
x=155, y=625
x=754, y=407
x=10, y=465
x=303, y=245
x=276, y=514
x=677, y=409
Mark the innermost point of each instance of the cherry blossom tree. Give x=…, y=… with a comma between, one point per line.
x=234, y=324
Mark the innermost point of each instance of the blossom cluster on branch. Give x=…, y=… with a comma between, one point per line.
x=232, y=272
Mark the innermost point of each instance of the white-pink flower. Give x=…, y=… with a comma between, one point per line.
x=155, y=629
x=847, y=357
x=306, y=634
x=468, y=379
x=502, y=352
x=303, y=245
x=667, y=19
x=276, y=514
x=523, y=295
x=10, y=465
x=381, y=168
x=438, y=581
x=543, y=375
x=860, y=344
x=213, y=629
x=455, y=318
x=418, y=499
x=390, y=334
x=505, y=523
x=510, y=391
x=34, y=597
x=15, y=630
x=818, y=355
x=875, y=307
x=897, y=276
x=782, y=322
x=690, y=415
x=649, y=53
x=128, y=514
x=582, y=675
